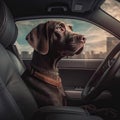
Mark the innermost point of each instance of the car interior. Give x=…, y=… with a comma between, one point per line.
x=91, y=100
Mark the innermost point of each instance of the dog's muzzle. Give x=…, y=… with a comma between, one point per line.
x=74, y=45
x=79, y=39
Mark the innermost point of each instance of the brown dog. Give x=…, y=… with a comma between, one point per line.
x=51, y=41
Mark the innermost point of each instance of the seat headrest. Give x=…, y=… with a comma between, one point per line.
x=8, y=29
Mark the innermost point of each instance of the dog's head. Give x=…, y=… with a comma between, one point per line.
x=57, y=36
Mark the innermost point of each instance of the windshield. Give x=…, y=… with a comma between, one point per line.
x=112, y=7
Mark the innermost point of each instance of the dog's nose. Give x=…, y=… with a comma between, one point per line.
x=81, y=38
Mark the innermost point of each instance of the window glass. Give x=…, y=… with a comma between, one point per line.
x=98, y=44
x=112, y=7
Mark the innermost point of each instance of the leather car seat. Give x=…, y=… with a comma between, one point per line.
x=16, y=101
x=63, y=113
x=10, y=66
x=8, y=107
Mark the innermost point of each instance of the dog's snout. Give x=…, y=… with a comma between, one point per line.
x=80, y=38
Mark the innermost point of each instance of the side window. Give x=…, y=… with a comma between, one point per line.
x=98, y=44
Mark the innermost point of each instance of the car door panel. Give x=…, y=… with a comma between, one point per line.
x=75, y=74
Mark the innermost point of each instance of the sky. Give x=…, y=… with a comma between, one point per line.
x=96, y=37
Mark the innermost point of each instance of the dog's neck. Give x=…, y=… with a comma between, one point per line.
x=46, y=64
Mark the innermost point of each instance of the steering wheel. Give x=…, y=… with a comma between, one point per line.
x=102, y=77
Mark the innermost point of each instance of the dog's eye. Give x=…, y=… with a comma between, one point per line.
x=60, y=27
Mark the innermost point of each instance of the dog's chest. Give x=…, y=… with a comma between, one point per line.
x=44, y=94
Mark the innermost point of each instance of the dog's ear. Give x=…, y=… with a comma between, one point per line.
x=38, y=38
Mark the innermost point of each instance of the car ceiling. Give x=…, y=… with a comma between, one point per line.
x=26, y=8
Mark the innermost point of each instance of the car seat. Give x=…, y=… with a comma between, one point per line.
x=10, y=66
